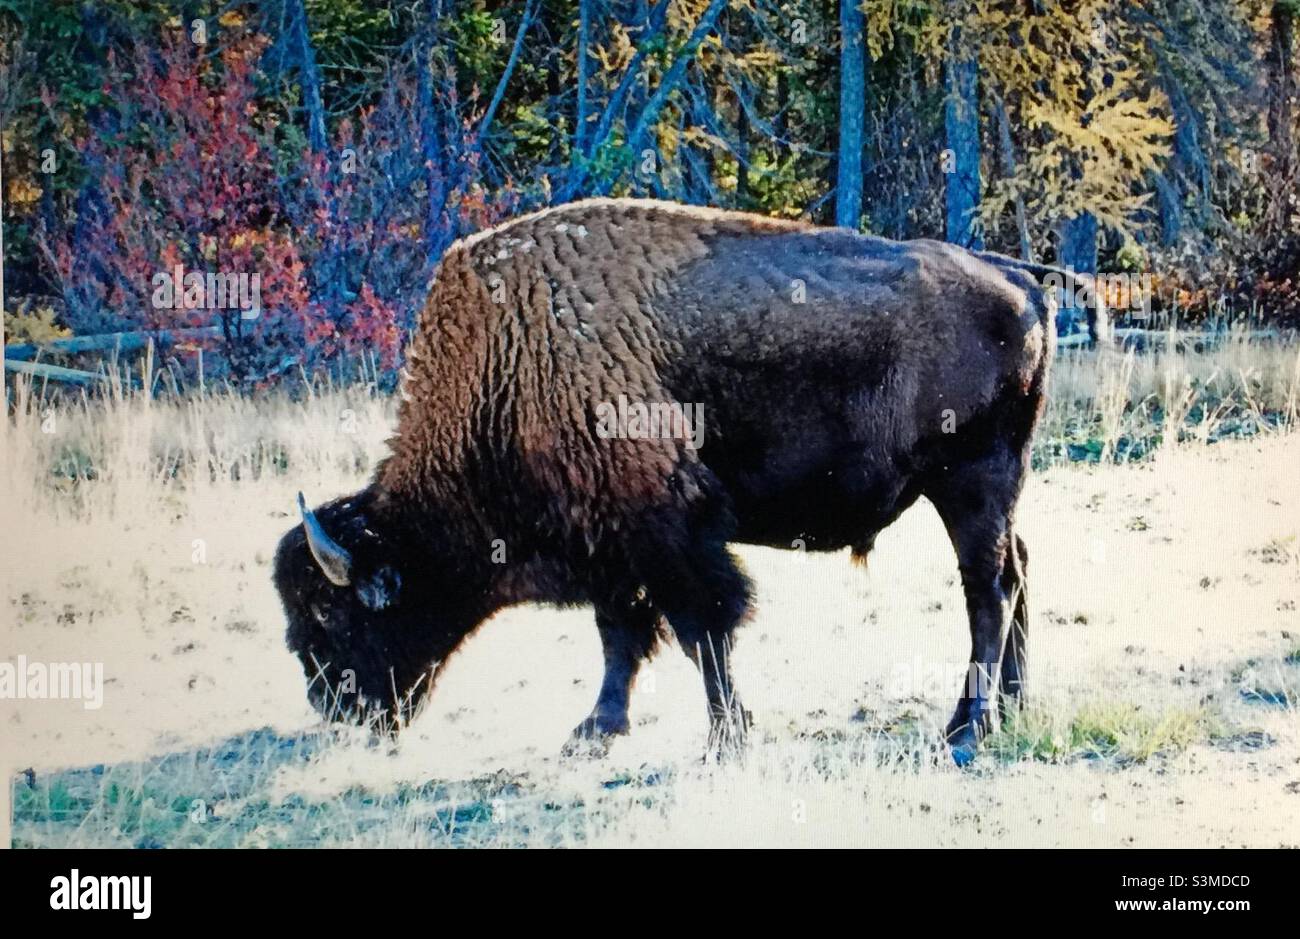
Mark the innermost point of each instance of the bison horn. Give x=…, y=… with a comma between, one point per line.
x=333, y=558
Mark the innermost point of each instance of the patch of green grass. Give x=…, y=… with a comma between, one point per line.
x=1121, y=732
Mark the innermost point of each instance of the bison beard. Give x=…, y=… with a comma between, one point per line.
x=842, y=377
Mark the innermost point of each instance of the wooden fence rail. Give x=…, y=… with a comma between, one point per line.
x=69, y=376
x=1142, y=339
x=108, y=342
x=18, y=356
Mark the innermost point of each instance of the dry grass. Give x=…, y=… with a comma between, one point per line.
x=1166, y=669
x=1125, y=405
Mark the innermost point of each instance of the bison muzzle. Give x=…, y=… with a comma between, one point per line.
x=840, y=377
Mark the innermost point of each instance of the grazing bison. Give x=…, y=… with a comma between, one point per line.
x=836, y=378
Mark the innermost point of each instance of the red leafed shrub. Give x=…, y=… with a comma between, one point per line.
x=180, y=181
x=193, y=170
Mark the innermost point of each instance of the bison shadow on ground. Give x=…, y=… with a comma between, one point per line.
x=234, y=794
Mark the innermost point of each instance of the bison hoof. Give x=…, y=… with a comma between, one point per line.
x=964, y=743
x=592, y=738
x=964, y=754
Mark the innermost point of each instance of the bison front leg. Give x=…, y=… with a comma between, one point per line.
x=628, y=634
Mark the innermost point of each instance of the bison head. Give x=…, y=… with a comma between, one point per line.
x=368, y=629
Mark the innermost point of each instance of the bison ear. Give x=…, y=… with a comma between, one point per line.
x=380, y=590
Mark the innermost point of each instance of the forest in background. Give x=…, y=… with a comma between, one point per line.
x=337, y=147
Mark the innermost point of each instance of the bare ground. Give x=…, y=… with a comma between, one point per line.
x=1165, y=630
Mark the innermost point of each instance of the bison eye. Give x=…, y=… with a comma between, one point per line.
x=317, y=612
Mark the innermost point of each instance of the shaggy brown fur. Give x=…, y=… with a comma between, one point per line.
x=528, y=327
x=840, y=378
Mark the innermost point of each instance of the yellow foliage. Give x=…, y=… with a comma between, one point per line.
x=615, y=57
x=889, y=20
x=1072, y=71
x=20, y=191
x=33, y=326
x=700, y=137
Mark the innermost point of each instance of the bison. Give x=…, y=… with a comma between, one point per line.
x=837, y=378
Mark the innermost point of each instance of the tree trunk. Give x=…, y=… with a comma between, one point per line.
x=1280, y=80
x=1009, y=171
x=848, y=174
x=584, y=38
x=1078, y=233
x=1171, y=209
x=1079, y=243
x=742, y=155
x=1281, y=91
x=962, y=126
x=780, y=124
x=308, y=76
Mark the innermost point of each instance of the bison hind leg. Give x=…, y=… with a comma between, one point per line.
x=1014, y=677
x=976, y=501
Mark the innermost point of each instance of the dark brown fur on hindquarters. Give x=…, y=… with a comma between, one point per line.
x=841, y=377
